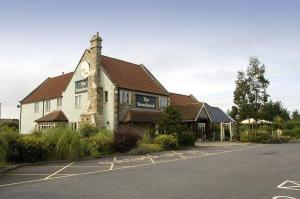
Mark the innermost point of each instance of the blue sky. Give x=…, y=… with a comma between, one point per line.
x=190, y=46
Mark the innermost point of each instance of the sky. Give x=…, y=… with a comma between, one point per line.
x=191, y=47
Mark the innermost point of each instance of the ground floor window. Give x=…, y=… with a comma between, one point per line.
x=48, y=125
x=73, y=125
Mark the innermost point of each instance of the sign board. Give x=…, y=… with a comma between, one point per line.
x=143, y=101
x=81, y=86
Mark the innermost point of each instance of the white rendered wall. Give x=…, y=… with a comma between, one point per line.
x=108, y=107
x=68, y=102
x=28, y=115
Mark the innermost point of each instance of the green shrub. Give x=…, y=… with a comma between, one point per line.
x=186, y=139
x=166, y=141
x=244, y=137
x=101, y=143
x=12, y=139
x=147, y=139
x=125, y=138
x=293, y=133
x=145, y=149
x=64, y=143
x=3, y=150
x=87, y=130
x=32, y=148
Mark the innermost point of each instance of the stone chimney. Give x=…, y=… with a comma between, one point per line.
x=94, y=114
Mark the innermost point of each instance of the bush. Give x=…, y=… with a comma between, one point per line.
x=87, y=130
x=145, y=149
x=12, y=139
x=264, y=138
x=166, y=141
x=64, y=143
x=125, y=138
x=32, y=148
x=101, y=143
x=186, y=139
x=293, y=133
x=3, y=150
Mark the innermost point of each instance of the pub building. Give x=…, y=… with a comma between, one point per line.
x=108, y=92
x=102, y=91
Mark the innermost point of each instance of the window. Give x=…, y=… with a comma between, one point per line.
x=47, y=106
x=124, y=97
x=36, y=107
x=78, y=101
x=105, y=96
x=74, y=125
x=163, y=102
x=59, y=102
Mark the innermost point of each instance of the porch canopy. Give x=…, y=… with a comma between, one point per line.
x=219, y=116
x=54, y=116
x=141, y=116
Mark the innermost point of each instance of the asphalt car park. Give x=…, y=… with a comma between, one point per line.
x=231, y=171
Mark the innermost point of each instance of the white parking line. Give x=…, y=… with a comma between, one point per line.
x=179, y=154
x=120, y=168
x=112, y=163
x=149, y=157
x=53, y=174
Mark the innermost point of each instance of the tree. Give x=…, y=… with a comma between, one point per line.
x=170, y=121
x=250, y=93
x=271, y=110
x=295, y=115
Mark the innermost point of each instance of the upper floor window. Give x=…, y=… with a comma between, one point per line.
x=36, y=107
x=163, y=102
x=59, y=102
x=105, y=96
x=47, y=105
x=77, y=101
x=124, y=97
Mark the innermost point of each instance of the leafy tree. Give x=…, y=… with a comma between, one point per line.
x=295, y=115
x=250, y=94
x=170, y=121
x=271, y=110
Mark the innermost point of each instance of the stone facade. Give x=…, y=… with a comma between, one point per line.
x=94, y=114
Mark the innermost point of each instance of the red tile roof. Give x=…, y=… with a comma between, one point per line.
x=54, y=116
x=176, y=99
x=124, y=74
x=189, y=111
x=131, y=76
x=51, y=88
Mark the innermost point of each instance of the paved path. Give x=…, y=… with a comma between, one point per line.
x=244, y=171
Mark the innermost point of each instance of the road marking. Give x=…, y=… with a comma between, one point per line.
x=53, y=174
x=149, y=157
x=283, y=197
x=178, y=154
x=28, y=174
x=205, y=153
x=291, y=185
x=112, y=163
x=125, y=167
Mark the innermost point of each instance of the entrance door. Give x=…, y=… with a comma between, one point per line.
x=202, y=130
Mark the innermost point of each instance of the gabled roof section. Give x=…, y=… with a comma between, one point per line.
x=51, y=88
x=177, y=99
x=217, y=115
x=131, y=76
x=189, y=112
x=54, y=116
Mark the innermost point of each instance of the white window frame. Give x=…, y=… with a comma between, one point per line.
x=59, y=102
x=77, y=101
x=162, y=102
x=36, y=107
x=125, y=97
x=47, y=105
